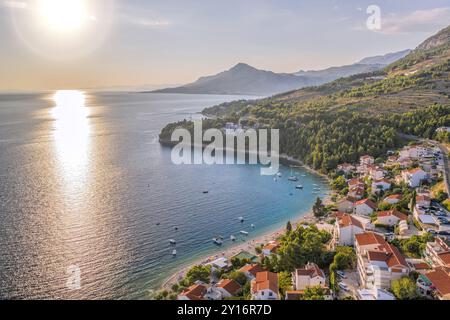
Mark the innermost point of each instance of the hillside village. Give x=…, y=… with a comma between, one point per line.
x=384, y=236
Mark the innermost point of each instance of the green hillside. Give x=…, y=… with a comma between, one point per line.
x=341, y=120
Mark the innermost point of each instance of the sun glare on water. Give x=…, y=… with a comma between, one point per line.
x=63, y=15
x=71, y=133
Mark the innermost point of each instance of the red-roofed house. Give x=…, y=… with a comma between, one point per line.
x=270, y=248
x=393, y=199
x=194, y=292
x=265, y=286
x=346, y=168
x=437, y=253
x=379, y=263
x=250, y=270
x=439, y=283
x=310, y=276
x=365, y=207
x=423, y=201
x=391, y=217
x=380, y=185
x=228, y=288
x=366, y=160
x=345, y=229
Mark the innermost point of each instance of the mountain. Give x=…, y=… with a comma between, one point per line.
x=243, y=79
x=362, y=114
x=385, y=59
x=247, y=80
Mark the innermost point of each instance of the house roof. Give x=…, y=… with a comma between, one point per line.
x=368, y=238
x=265, y=280
x=294, y=294
x=272, y=247
x=312, y=270
x=395, y=213
x=440, y=280
x=416, y=170
x=422, y=198
x=390, y=255
x=229, y=285
x=445, y=257
x=394, y=197
x=367, y=202
x=195, y=292
x=348, y=220
x=355, y=181
x=252, y=269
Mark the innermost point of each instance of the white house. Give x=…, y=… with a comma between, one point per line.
x=310, y=276
x=346, y=168
x=393, y=199
x=423, y=201
x=265, y=286
x=376, y=173
x=345, y=229
x=380, y=185
x=228, y=288
x=346, y=204
x=414, y=177
x=366, y=160
x=391, y=217
x=365, y=207
x=379, y=263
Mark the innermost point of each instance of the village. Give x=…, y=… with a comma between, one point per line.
x=387, y=231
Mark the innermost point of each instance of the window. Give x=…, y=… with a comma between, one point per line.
x=270, y=294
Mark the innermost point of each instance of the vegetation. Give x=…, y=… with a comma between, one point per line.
x=314, y=293
x=297, y=248
x=413, y=246
x=319, y=209
x=197, y=273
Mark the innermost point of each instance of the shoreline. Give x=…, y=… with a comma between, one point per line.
x=250, y=245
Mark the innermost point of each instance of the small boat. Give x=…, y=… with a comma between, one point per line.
x=176, y=228
x=218, y=241
x=241, y=219
x=275, y=179
x=299, y=187
x=292, y=177
x=172, y=241
x=279, y=174
x=158, y=224
x=253, y=226
x=174, y=252
x=245, y=233
x=232, y=238
x=205, y=192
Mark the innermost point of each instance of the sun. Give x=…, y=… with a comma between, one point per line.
x=63, y=15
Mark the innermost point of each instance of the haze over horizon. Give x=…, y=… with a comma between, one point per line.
x=137, y=43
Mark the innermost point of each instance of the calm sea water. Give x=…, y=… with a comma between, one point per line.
x=87, y=184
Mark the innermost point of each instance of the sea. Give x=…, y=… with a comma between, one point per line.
x=89, y=199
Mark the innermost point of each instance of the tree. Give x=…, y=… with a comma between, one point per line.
x=404, y=289
x=198, y=273
x=339, y=183
x=313, y=293
x=289, y=226
x=284, y=282
x=319, y=209
x=239, y=277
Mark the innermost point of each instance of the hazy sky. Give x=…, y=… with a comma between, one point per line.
x=149, y=42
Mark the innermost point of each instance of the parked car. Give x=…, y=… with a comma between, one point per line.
x=343, y=286
x=341, y=274
x=444, y=233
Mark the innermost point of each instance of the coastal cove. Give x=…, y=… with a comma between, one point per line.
x=110, y=200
